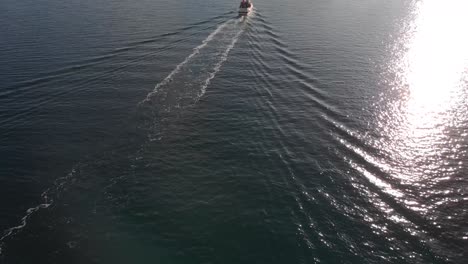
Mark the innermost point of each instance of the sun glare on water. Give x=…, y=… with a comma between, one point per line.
x=425, y=124
x=436, y=54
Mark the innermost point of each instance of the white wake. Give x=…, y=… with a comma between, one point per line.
x=188, y=82
x=184, y=85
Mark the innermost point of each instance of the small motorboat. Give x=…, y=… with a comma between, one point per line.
x=245, y=7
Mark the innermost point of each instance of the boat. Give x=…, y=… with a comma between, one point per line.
x=245, y=7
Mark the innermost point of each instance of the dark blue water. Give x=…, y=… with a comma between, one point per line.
x=177, y=132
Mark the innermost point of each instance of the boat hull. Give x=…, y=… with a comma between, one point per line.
x=245, y=11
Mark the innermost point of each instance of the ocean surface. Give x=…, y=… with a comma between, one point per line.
x=310, y=131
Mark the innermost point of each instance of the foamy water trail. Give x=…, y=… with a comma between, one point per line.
x=196, y=50
x=185, y=84
x=217, y=67
x=11, y=231
x=47, y=202
x=188, y=81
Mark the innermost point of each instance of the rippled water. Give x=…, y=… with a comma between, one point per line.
x=178, y=132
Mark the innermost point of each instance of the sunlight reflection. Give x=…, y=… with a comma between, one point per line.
x=430, y=69
x=437, y=53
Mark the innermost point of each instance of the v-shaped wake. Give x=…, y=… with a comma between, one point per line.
x=187, y=83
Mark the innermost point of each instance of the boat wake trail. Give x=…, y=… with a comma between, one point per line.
x=183, y=87
x=47, y=200
x=187, y=83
